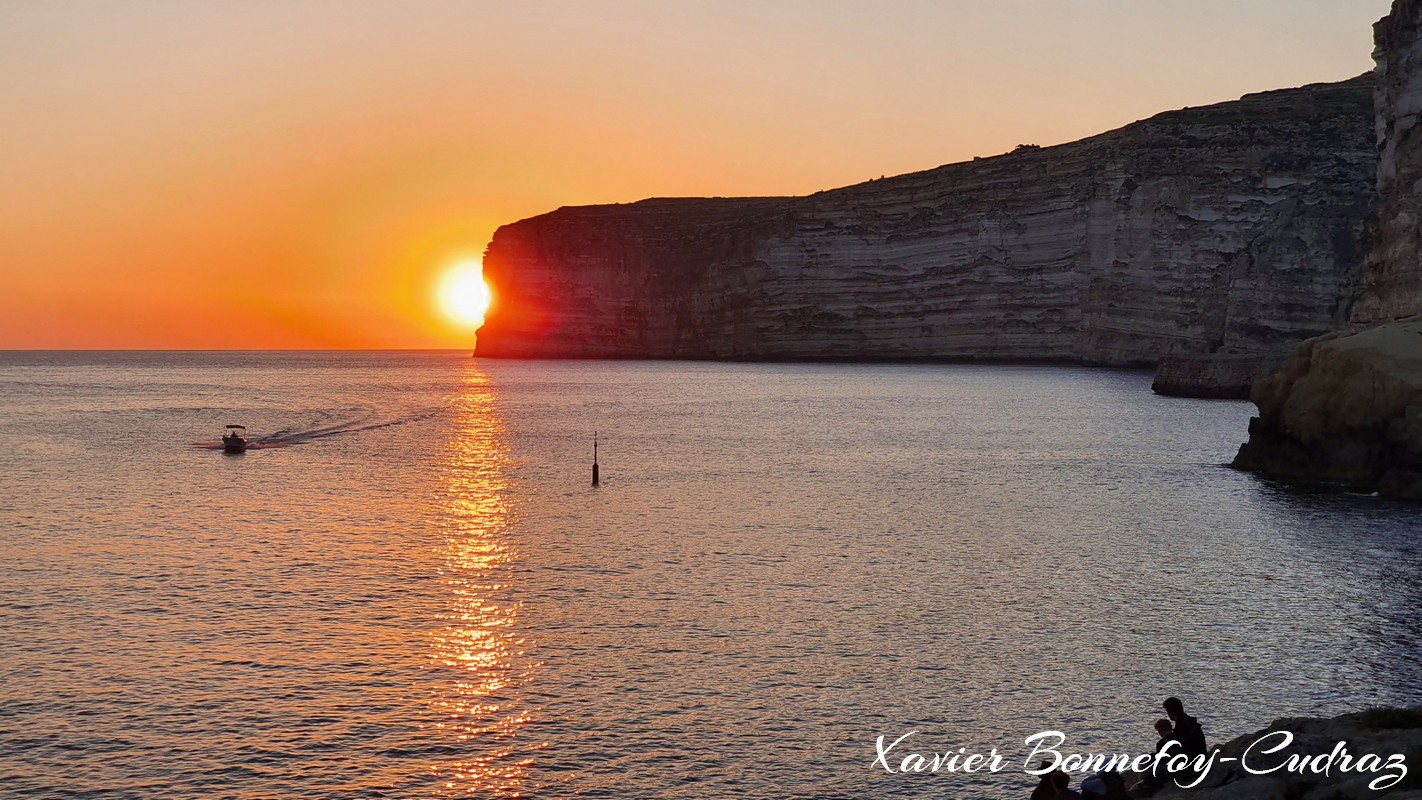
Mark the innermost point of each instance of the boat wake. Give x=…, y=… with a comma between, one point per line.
x=294, y=436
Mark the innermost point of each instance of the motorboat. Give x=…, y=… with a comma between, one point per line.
x=235, y=439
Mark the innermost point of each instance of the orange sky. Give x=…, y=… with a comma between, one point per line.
x=299, y=174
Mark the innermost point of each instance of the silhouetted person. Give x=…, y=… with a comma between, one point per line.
x=1158, y=774
x=1187, y=729
x=1046, y=790
x=1062, y=783
x=1165, y=731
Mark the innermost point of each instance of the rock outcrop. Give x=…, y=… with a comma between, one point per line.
x=1384, y=733
x=1214, y=376
x=1232, y=228
x=1345, y=409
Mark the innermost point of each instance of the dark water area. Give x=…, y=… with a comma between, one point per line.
x=408, y=587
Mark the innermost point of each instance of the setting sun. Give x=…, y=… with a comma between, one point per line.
x=463, y=295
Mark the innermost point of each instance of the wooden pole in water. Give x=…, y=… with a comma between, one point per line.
x=595, y=477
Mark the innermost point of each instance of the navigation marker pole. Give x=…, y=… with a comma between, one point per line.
x=595, y=478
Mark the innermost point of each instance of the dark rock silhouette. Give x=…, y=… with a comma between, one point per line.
x=1345, y=409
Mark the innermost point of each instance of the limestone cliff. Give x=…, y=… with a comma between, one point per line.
x=1392, y=284
x=1231, y=228
x=1348, y=408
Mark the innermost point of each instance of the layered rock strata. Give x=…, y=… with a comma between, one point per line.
x=1232, y=228
x=1347, y=409
x=1392, y=279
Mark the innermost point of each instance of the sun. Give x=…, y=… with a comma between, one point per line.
x=463, y=295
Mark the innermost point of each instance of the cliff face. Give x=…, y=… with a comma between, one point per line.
x=1392, y=283
x=642, y=280
x=1347, y=409
x=1228, y=228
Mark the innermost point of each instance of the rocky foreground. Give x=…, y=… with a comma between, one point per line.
x=1382, y=732
x=1233, y=228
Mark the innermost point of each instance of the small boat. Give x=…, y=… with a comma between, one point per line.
x=235, y=439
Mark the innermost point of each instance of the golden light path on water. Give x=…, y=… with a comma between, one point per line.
x=479, y=650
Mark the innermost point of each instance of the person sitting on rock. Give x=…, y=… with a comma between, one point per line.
x=1165, y=731
x=1045, y=789
x=1158, y=775
x=1187, y=730
x=1061, y=781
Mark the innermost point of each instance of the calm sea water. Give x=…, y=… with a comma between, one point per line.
x=411, y=590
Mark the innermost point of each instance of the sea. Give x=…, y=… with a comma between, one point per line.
x=408, y=586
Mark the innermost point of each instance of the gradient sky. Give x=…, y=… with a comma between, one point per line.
x=300, y=174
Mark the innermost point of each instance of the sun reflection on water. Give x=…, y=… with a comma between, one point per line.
x=479, y=650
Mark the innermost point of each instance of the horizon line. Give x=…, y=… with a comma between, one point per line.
x=235, y=349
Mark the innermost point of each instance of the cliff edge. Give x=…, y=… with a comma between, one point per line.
x=1233, y=228
x=1347, y=408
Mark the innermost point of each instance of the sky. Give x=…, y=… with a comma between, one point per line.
x=301, y=174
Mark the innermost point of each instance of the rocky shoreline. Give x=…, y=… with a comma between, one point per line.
x=1220, y=376
x=1380, y=731
x=1344, y=409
